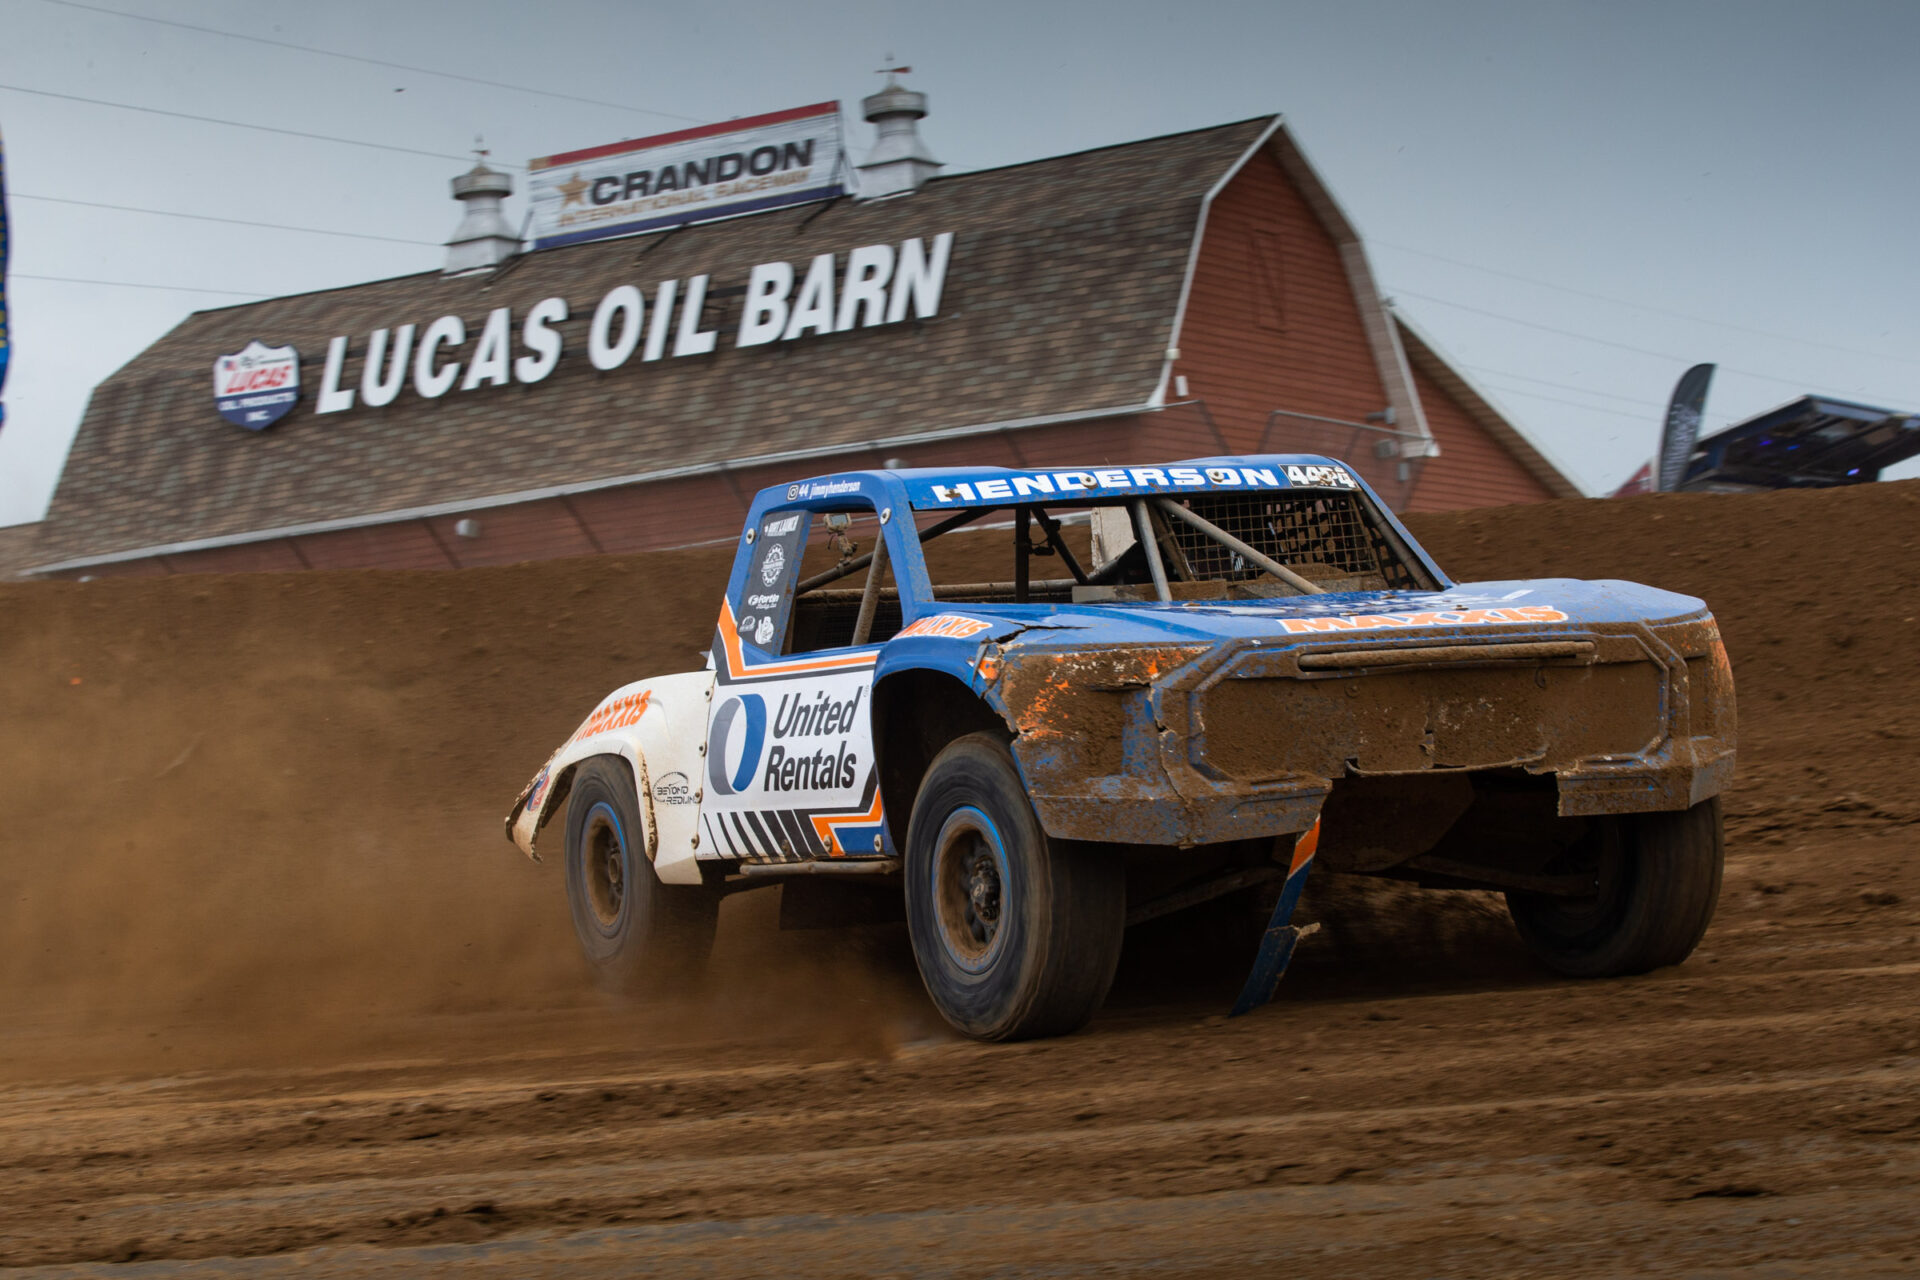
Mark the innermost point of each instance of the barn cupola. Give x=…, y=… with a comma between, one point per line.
x=483, y=240
x=899, y=161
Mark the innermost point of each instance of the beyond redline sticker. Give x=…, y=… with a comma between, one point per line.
x=1439, y=618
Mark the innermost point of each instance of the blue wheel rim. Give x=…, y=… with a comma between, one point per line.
x=605, y=867
x=967, y=885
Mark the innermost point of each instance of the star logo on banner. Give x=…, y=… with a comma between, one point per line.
x=575, y=191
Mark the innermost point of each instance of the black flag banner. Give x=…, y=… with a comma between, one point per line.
x=1683, y=425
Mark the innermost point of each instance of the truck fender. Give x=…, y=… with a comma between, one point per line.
x=658, y=727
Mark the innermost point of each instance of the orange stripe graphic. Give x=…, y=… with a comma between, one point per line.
x=737, y=662
x=1304, y=847
x=824, y=824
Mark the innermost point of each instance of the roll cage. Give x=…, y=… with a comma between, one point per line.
x=1145, y=548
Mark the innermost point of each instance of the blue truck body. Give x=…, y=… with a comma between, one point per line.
x=1249, y=668
x=1114, y=705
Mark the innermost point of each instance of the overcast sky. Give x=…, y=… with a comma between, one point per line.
x=1574, y=200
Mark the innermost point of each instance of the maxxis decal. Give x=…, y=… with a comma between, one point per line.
x=614, y=713
x=955, y=625
x=1438, y=618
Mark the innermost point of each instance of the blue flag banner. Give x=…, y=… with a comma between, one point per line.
x=6, y=343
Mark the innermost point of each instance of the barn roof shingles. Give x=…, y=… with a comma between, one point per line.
x=1062, y=286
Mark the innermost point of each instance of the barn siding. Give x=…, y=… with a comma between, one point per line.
x=408, y=545
x=275, y=555
x=543, y=530
x=152, y=567
x=1246, y=351
x=1473, y=469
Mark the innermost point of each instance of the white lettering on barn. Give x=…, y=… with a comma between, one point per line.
x=875, y=285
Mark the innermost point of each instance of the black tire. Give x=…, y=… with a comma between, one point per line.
x=638, y=935
x=1016, y=935
x=1659, y=882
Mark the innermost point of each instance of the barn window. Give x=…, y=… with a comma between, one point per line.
x=1264, y=254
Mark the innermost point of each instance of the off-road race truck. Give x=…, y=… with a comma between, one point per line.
x=1225, y=670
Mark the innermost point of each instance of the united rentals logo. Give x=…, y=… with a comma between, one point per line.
x=750, y=710
x=256, y=386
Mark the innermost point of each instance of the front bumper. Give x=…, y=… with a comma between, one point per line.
x=1199, y=744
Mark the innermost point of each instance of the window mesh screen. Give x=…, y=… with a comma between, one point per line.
x=1320, y=535
x=825, y=620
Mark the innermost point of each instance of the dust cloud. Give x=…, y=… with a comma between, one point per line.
x=258, y=817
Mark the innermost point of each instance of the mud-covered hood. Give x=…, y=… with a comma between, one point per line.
x=1468, y=607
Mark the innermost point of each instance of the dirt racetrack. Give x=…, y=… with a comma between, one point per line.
x=276, y=996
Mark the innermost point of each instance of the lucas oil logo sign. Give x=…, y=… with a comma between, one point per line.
x=255, y=387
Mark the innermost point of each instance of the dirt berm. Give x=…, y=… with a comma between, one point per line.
x=251, y=856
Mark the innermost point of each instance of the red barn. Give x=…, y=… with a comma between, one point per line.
x=1194, y=294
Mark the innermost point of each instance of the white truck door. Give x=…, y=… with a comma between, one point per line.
x=789, y=765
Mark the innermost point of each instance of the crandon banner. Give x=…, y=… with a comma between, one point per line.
x=737, y=166
x=256, y=386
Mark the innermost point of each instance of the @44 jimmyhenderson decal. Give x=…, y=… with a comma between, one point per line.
x=256, y=386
